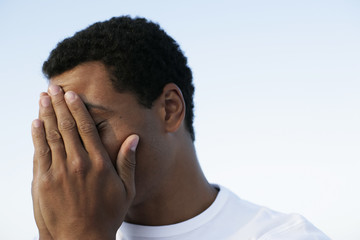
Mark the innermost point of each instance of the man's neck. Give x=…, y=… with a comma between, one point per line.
x=183, y=196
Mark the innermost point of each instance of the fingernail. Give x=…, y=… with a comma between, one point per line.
x=134, y=143
x=54, y=89
x=45, y=101
x=44, y=94
x=36, y=123
x=70, y=96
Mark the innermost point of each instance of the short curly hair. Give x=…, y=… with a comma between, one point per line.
x=140, y=57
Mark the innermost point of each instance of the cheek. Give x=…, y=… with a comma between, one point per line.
x=111, y=143
x=113, y=135
x=116, y=131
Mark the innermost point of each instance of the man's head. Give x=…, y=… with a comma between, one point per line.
x=138, y=55
x=134, y=80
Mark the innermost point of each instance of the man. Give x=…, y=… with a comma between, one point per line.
x=114, y=147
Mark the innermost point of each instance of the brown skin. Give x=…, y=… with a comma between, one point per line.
x=167, y=185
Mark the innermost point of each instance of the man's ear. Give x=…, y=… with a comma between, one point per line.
x=173, y=107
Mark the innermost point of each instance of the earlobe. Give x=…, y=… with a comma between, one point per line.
x=174, y=106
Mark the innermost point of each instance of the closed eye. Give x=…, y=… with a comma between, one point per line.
x=100, y=125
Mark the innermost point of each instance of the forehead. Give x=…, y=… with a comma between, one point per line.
x=90, y=80
x=83, y=74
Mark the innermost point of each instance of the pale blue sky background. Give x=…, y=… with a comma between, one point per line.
x=277, y=98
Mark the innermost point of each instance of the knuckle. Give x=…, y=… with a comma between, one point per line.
x=34, y=184
x=46, y=114
x=37, y=133
x=58, y=101
x=80, y=171
x=129, y=164
x=86, y=127
x=67, y=125
x=56, y=176
x=100, y=163
x=43, y=151
x=46, y=182
x=78, y=165
x=53, y=135
x=38, y=138
x=34, y=187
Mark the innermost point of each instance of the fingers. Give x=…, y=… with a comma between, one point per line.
x=85, y=124
x=53, y=136
x=69, y=128
x=42, y=162
x=42, y=154
x=126, y=162
x=65, y=121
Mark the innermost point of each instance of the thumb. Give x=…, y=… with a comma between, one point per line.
x=126, y=162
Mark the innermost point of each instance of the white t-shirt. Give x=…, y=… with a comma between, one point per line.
x=229, y=218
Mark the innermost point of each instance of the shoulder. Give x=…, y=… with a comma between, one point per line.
x=257, y=222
